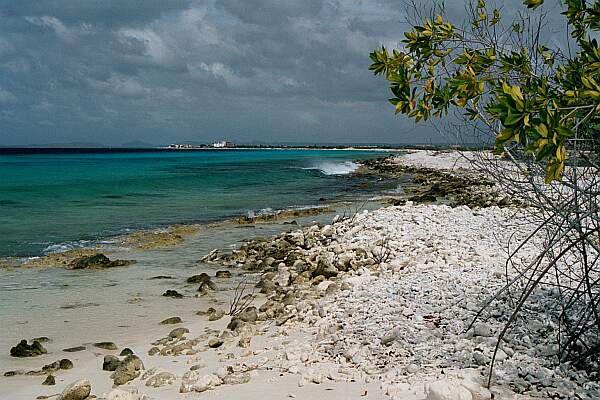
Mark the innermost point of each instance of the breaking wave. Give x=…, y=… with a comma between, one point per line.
x=335, y=168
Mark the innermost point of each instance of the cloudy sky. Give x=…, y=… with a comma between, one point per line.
x=162, y=71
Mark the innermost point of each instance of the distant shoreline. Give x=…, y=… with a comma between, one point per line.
x=88, y=150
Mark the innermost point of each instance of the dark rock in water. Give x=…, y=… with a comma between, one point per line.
x=65, y=363
x=322, y=199
x=126, y=352
x=49, y=381
x=106, y=345
x=173, y=293
x=162, y=277
x=223, y=274
x=206, y=286
x=110, y=363
x=74, y=349
x=171, y=321
x=25, y=350
x=128, y=370
x=294, y=222
x=42, y=339
x=203, y=277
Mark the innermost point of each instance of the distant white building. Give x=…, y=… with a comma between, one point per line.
x=223, y=144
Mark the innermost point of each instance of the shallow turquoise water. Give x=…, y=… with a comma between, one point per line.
x=49, y=201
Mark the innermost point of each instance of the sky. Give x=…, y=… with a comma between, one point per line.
x=115, y=72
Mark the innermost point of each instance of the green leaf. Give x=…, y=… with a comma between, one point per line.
x=533, y=3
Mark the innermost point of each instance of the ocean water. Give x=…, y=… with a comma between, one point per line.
x=54, y=200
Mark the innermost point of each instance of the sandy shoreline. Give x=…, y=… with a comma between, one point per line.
x=374, y=305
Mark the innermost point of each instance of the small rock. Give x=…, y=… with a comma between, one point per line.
x=480, y=358
x=323, y=286
x=161, y=379
x=328, y=230
x=49, y=381
x=126, y=352
x=390, y=337
x=412, y=368
x=234, y=324
x=237, y=378
x=244, y=342
x=446, y=390
x=161, y=277
x=25, y=350
x=110, y=363
x=213, y=343
x=129, y=369
x=74, y=349
x=207, y=286
x=223, y=274
x=203, y=277
x=283, y=277
x=483, y=329
x=206, y=382
x=217, y=315
x=311, y=376
x=191, y=381
x=478, y=392
x=97, y=261
x=79, y=390
x=250, y=314
x=118, y=394
x=283, y=319
x=49, y=368
x=178, y=333
x=171, y=321
x=65, y=363
x=173, y=294
x=106, y=345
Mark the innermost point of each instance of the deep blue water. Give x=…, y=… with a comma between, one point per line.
x=49, y=199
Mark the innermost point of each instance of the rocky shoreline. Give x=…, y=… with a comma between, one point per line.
x=144, y=240
x=375, y=302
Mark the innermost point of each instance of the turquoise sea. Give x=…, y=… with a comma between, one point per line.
x=53, y=200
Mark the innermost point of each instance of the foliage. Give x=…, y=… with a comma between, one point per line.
x=501, y=76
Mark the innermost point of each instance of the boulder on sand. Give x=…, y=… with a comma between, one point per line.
x=79, y=390
x=97, y=261
x=27, y=350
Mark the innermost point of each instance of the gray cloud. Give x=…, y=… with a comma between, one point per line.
x=189, y=70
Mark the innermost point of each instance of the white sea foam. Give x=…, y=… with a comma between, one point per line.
x=335, y=168
x=62, y=247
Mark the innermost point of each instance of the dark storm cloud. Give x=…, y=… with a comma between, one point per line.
x=270, y=12
x=93, y=11
x=163, y=71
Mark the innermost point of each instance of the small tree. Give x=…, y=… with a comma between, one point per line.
x=502, y=76
x=541, y=106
